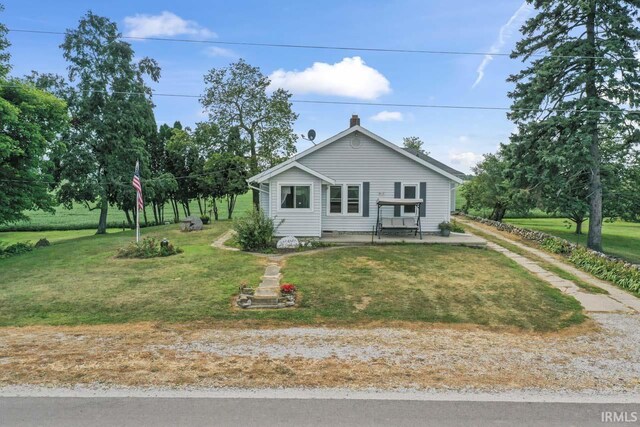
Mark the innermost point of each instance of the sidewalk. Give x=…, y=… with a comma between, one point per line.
x=617, y=300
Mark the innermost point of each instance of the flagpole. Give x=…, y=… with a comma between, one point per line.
x=137, y=221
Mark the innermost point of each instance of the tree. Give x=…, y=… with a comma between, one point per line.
x=236, y=97
x=111, y=115
x=226, y=176
x=587, y=72
x=544, y=163
x=30, y=122
x=414, y=143
x=490, y=189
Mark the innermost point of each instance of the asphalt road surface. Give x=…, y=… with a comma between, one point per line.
x=266, y=412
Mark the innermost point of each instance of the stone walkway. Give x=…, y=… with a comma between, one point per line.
x=617, y=300
x=270, y=284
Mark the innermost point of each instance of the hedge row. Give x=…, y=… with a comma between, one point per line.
x=622, y=273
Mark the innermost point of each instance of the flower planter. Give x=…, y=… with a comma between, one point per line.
x=445, y=233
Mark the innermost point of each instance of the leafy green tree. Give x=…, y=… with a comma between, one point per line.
x=30, y=122
x=226, y=177
x=111, y=115
x=236, y=97
x=490, y=189
x=587, y=71
x=414, y=143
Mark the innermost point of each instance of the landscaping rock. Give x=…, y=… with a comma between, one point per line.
x=191, y=223
x=288, y=242
x=42, y=243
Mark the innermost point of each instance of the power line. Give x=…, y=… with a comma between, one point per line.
x=322, y=47
x=383, y=104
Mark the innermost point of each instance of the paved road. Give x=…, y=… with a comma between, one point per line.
x=150, y=411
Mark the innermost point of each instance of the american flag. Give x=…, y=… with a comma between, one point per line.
x=138, y=186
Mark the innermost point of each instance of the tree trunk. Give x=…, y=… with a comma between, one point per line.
x=594, y=240
x=579, y=226
x=253, y=164
x=102, y=223
x=231, y=204
x=215, y=209
x=498, y=213
x=200, y=206
x=176, y=211
x=126, y=214
x=144, y=214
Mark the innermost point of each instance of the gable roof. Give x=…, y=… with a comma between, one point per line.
x=357, y=128
x=435, y=162
x=293, y=164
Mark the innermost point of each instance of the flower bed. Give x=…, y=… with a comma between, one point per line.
x=622, y=273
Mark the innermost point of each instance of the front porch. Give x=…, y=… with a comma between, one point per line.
x=346, y=239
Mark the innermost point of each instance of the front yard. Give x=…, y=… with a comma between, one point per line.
x=78, y=281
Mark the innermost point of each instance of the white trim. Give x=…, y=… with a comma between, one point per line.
x=277, y=171
x=344, y=199
x=279, y=207
x=417, y=196
x=329, y=213
x=272, y=171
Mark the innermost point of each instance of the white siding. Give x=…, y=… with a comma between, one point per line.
x=264, y=198
x=301, y=223
x=380, y=166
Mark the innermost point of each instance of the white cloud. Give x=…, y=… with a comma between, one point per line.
x=351, y=77
x=506, y=31
x=388, y=116
x=164, y=24
x=220, y=51
x=466, y=159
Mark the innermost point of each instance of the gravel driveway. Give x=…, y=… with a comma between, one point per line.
x=603, y=356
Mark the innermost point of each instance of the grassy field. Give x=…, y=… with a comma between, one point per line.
x=81, y=216
x=621, y=239
x=77, y=280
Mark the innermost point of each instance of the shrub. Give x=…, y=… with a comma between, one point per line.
x=557, y=246
x=254, y=231
x=618, y=272
x=42, y=243
x=456, y=227
x=148, y=248
x=15, y=249
x=205, y=219
x=287, y=288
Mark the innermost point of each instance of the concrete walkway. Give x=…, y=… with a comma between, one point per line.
x=270, y=284
x=617, y=300
x=347, y=239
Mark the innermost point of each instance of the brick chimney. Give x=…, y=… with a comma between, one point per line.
x=355, y=121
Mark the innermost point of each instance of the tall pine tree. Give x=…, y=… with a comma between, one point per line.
x=581, y=74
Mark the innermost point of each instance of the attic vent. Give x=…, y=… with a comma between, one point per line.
x=356, y=142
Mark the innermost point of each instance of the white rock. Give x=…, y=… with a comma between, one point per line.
x=288, y=242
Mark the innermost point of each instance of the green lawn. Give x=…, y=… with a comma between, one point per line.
x=81, y=216
x=430, y=283
x=621, y=239
x=77, y=280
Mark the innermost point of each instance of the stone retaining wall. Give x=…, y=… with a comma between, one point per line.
x=540, y=237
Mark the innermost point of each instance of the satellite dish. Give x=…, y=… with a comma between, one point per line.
x=311, y=135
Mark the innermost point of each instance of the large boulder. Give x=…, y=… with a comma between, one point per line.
x=191, y=223
x=288, y=242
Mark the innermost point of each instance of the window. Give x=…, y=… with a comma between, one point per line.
x=353, y=199
x=410, y=192
x=344, y=199
x=335, y=199
x=295, y=197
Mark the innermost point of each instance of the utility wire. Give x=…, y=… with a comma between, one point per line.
x=321, y=47
x=380, y=104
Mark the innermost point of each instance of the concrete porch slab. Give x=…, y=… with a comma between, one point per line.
x=361, y=239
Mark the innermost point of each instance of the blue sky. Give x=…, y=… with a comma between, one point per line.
x=456, y=137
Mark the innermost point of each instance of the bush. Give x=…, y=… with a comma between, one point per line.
x=148, y=248
x=254, y=231
x=618, y=272
x=556, y=245
x=456, y=227
x=15, y=249
x=444, y=225
x=205, y=219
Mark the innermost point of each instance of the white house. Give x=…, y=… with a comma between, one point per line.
x=335, y=185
